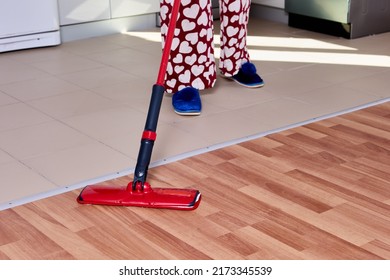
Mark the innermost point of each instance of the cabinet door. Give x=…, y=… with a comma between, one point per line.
x=334, y=10
x=125, y=8
x=21, y=17
x=78, y=11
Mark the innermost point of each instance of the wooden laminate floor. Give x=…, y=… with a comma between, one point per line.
x=320, y=191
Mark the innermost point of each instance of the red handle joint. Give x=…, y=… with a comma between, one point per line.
x=149, y=135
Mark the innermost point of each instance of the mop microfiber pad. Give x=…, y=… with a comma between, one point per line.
x=167, y=198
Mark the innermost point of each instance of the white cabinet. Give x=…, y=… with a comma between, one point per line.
x=79, y=11
x=28, y=24
x=125, y=8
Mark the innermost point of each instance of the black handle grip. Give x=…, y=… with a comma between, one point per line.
x=145, y=152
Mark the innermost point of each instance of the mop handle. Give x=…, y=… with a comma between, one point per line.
x=168, y=43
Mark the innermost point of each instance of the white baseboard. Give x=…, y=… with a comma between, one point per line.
x=30, y=41
x=107, y=27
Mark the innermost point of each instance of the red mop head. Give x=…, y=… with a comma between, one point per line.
x=167, y=198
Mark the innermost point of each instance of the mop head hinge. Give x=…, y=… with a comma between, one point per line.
x=139, y=186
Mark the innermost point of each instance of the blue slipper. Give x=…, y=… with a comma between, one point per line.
x=187, y=102
x=247, y=76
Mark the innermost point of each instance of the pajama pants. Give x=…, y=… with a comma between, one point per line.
x=192, y=61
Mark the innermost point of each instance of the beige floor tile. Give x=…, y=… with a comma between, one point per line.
x=321, y=57
x=5, y=157
x=114, y=122
x=279, y=113
x=146, y=69
x=375, y=44
x=172, y=141
x=29, y=56
x=336, y=74
x=20, y=115
x=6, y=99
x=335, y=99
x=97, y=77
x=69, y=64
x=291, y=42
x=127, y=92
x=128, y=143
x=19, y=181
x=129, y=39
x=136, y=95
x=230, y=95
x=81, y=163
x=121, y=56
x=72, y=104
x=154, y=49
x=378, y=84
x=5, y=59
x=12, y=71
x=289, y=83
x=38, y=88
x=222, y=127
x=85, y=47
x=42, y=139
x=265, y=67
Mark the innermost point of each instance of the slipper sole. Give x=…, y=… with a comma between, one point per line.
x=190, y=113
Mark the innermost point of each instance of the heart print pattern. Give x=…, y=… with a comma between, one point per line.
x=192, y=61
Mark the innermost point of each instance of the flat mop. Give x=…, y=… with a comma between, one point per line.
x=139, y=193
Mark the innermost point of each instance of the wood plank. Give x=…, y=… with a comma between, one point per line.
x=320, y=191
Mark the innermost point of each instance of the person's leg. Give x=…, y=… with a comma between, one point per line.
x=234, y=57
x=191, y=62
x=234, y=16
